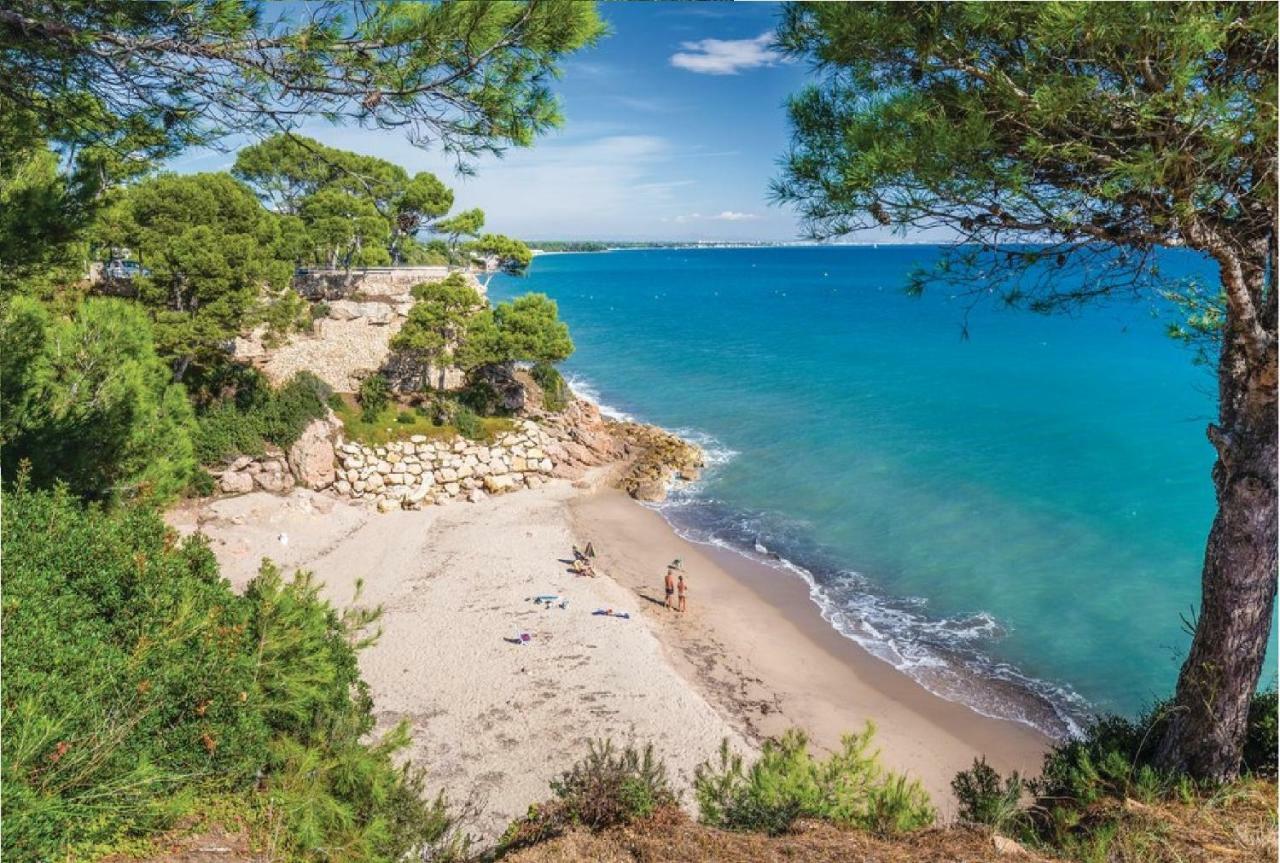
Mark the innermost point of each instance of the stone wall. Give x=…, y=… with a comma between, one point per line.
x=319, y=284
x=418, y=472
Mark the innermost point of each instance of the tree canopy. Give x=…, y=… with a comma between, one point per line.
x=144, y=79
x=214, y=261
x=1048, y=136
x=449, y=325
x=437, y=323
x=85, y=401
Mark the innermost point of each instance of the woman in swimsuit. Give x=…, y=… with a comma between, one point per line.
x=681, y=588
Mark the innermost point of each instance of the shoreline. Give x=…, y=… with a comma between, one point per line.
x=803, y=673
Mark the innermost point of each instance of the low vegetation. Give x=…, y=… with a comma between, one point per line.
x=1101, y=797
x=440, y=419
x=139, y=686
x=787, y=783
x=608, y=787
x=253, y=414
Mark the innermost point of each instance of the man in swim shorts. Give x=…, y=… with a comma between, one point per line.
x=670, y=582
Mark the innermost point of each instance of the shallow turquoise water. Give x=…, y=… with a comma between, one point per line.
x=1021, y=512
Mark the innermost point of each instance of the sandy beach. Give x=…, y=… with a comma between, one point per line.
x=756, y=645
x=494, y=720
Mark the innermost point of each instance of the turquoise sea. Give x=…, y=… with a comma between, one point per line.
x=1016, y=519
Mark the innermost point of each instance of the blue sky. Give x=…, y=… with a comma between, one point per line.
x=673, y=127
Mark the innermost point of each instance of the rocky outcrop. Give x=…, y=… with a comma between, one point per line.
x=269, y=472
x=660, y=459
x=310, y=463
x=312, y=457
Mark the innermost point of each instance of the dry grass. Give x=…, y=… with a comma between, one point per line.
x=1238, y=824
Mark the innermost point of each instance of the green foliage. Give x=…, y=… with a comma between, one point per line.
x=512, y=256
x=136, y=681
x=213, y=264
x=608, y=787
x=555, y=392
x=532, y=330
x=983, y=800
x=374, y=396
x=1260, y=750
x=470, y=76
x=44, y=215
x=1112, y=762
x=87, y=402
x=965, y=115
x=613, y=787
x=319, y=311
x=257, y=415
x=435, y=419
x=126, y=661
x=405, y=417
x=467, y=423
x=787, y=783
x=436, y=325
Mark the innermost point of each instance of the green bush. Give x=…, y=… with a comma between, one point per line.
x=85, y=401
x=257, y=415
x=612, y=786
x=374, y=396
x=138, y=683
x=608, y=787
x=984, y=800
x=787, y=782
x=555, y=392
x=318, y=311
x=405, y=417
x=481, y=397
x=467, y=423
x=1260, y=755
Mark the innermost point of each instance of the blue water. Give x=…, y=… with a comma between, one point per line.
x=1016, y=519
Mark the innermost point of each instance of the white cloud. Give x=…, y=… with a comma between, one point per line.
x=726, y=56
x=722, y=216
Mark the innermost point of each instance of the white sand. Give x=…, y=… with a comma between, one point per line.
x=492, y=721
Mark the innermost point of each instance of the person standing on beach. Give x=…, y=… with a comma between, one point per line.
x=681, y=588
x=669, y=583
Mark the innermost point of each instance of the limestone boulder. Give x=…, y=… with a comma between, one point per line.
x=236, y=483
x=311, y=458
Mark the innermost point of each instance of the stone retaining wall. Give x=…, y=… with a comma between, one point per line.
x=420, y=472
x=318, y=284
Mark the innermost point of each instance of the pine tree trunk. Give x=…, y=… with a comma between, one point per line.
x=1206, y=731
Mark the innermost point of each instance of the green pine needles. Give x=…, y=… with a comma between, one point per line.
x=138, y=685
x=786, y=783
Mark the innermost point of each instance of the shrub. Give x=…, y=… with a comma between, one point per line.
x=555, y=392
x=257, y=415
x=1260, y=755
x=467, y=423
x=982, y=798
x=86, y=401
x=787, y=783
x=374, y=396
x=405, y=418
x=202, y=484
x=607, y=787
x=613, y=787
x=481, y=397
x=137, y=682
x=319, y=311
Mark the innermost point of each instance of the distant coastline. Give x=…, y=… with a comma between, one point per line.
x=563, y=247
